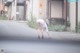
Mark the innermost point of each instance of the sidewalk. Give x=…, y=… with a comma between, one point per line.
x=65, y=36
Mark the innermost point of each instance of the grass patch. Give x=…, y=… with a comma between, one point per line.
x=79, y=27
x=56, y=28
x=32, y=24
x=3, y=18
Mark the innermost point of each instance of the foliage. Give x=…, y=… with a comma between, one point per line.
x=79, y=27
x=32, y=23
x=3, y=18
x=56, y=28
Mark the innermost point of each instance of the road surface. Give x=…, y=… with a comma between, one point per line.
x=15, y=29
x=19, y=38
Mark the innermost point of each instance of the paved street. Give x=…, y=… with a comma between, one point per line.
x=19, y=38
x=65, y=35
x=12, y=28
x=18, y=29
x=16, y=46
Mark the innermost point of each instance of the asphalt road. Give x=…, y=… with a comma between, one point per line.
x=15, y=29
x=19, y=38
x=17, y=46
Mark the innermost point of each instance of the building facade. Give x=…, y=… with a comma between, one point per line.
x=16, y=9
x=1, y=7
x=65, y=12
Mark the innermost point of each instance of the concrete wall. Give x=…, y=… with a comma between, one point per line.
x=9, y=12
x=72, y=16
x=13, y=11
x=44, y=9
x=15, y=6
x=28, y=10
x=32, y=9
x=79, y=11
x=35, y=9
x=56, y=9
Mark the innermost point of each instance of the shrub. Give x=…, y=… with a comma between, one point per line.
x=79, y=27
x=3, y=17
x=56, y=28
x=32, y=23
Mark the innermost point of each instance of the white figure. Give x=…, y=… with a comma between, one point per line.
x=41, y=27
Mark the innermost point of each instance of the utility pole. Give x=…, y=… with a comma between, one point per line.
x=76, y=15
x=65, y=13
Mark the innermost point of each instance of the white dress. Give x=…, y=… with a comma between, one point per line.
x=43, y=24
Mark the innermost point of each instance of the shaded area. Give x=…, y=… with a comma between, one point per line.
x=18, y=46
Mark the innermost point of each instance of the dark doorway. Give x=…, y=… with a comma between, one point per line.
x=56, y=11
x=21, y=11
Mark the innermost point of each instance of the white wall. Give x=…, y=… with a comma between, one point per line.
x=56, y=9
x=9, y=12
x=28, y=10
x=72, y=16
x=43, y=10
x=79, y=11
x=0, y=5
x=13, y=11
x=35, y=8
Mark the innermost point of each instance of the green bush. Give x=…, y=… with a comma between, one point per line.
x=56, y=28
x=32, y=23
x=3, y=18
x=79, y=27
